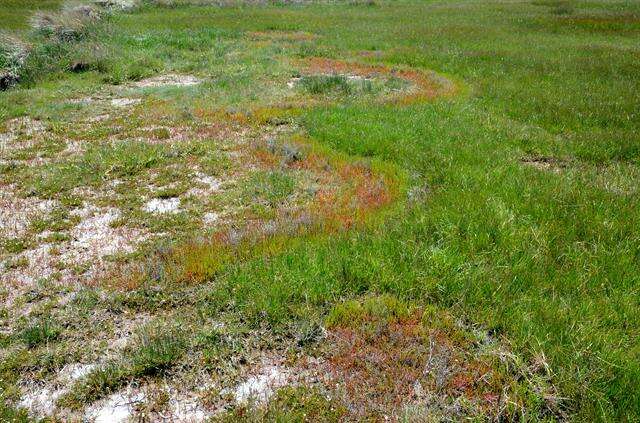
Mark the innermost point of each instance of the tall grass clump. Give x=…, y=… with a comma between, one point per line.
x=72, y=23
x=156, y=350
x=40, y=333
x=55, y=40
x=322, y=84
x=13, y=54
x=117, y=4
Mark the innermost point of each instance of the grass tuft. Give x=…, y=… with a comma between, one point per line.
x=323, y=84
x=40, y=333
x=353, y=313
x=155, y=350
x=273, y=187
x=290, y=404
x=96, y=385
x=13, y=54
x=73, y=23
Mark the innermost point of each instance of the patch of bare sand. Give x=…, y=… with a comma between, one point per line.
x=117, y=408
x=125, y=102
x=82, y=256
x=168, y=80
x=23, y=129
x=40, y=399
x=546, y=163
x=16, y=214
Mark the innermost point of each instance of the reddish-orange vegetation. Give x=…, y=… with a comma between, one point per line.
x=383, y=366
x=427, y=86
x=378, y=370
x=267, y=158
x=370, y=53
x=348, y=193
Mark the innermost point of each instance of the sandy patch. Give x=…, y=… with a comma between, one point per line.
x=40, y=400
x=73, y=148
x=98, y=118
x=212, y=183
x=168, y=80
x=95, y=235
x=117, y=408
x=293, y=82
x=23, y=129
x=210, y=218
x=24, y=126
x=39, y=263
x=206, y=185
x=185, y=407
x=89, y=243
x=125, y=102
x=162, y=205
x=16, y=213
x=259, y=387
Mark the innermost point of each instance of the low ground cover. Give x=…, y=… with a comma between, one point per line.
x=320, y=211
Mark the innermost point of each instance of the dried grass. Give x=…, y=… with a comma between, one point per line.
x=72, y=23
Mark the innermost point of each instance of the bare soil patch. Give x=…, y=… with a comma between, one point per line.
x=168, y=80
x=546, y=163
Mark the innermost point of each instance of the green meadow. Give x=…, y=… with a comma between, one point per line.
x=503, y=206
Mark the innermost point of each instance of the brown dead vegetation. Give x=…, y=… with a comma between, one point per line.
x=546, y=163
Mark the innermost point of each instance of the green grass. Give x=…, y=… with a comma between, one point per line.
x=40, y=333
x=15, y=245
x=323, y=84
x=98, y=384
x=15, y=14
x=156, y=351
x=548, y=261
x=354, y=313
x=290, y=405
x=122, y=160
x=343, y=85
x=272, y=187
